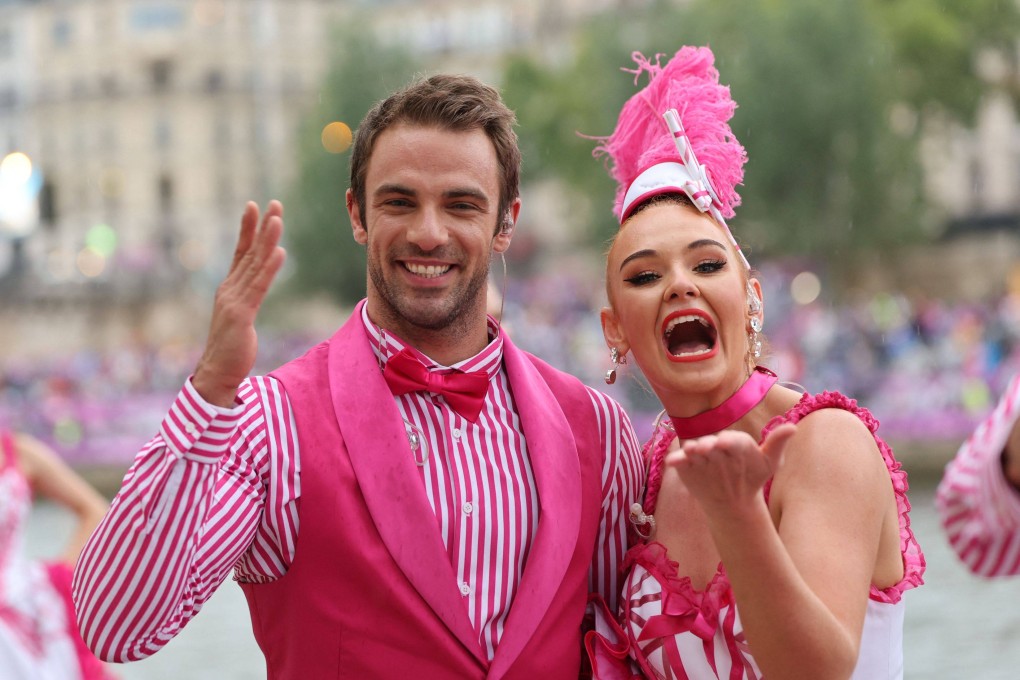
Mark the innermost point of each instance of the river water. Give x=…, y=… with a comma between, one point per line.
x=957, y=626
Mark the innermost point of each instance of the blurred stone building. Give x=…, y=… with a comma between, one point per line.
x=148, y=123
x=132, y=132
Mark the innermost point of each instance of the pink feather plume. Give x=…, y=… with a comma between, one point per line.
x=690, y=84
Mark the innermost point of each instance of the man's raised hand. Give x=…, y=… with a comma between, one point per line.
x=232, y=345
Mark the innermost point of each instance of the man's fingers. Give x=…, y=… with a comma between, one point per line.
x=264, y=242
x=249, y=222
x=274, y=208
x=254, y=232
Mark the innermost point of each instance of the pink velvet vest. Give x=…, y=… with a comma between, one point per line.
x=371, y=592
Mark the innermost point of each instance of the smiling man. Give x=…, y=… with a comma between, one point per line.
x=414, y=497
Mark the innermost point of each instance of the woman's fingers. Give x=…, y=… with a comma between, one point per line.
x=776, y=443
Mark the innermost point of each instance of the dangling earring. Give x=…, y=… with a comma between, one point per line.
x=753, y=308
x=614, y=354
x=753, y=338
x=753, y=301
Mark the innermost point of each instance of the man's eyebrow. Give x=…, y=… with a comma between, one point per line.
x=467, y=192
x=395, y=189
x=456, y=192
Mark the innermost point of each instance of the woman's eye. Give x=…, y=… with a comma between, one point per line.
x=642, y=278
x=709, y=266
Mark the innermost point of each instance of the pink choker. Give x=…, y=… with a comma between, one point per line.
x=730, y=411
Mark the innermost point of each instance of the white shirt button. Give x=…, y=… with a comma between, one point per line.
x=456, y=434
x=468, y=508
x=191, y=429
x=465, y=589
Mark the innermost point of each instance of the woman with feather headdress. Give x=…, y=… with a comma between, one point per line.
x=774, y=534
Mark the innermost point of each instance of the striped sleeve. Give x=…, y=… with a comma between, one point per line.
x=979, y=509
x=214, y=490
x=622, y=481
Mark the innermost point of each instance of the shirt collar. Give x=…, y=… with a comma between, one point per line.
x=386, y=344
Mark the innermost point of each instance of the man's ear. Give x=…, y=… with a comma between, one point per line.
x=505, y=232
x=360, y=233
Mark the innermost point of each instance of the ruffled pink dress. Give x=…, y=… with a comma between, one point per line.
x=39, y=638
x=668, y=629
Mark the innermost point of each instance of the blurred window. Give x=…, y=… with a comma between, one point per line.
x=163, y=133
x=222, y=132
x=161, y=74
x=108, y=85
x=166, y=194
x=8, y=98
x=977, y=183
x=6, y=43
x=214, y=80
x=108, y=137
x=79, y=89
x=61, y=32
x=48, y=205
x=150, y=15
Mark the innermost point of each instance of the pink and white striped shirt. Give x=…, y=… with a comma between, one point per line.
x=216, y=490
x=980, y=510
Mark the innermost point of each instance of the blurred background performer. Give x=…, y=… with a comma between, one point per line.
x=39, y=639
x=979, y=497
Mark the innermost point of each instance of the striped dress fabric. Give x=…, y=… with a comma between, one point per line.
x=672, y=631
x=979, y=509
x=216, y=491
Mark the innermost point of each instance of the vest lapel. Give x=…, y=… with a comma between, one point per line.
x=557, y=471
x=380, y=454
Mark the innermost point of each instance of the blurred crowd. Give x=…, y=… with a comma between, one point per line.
x=928, y=369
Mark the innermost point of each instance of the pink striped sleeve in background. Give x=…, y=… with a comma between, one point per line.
x=979, y=509
x=214, y=489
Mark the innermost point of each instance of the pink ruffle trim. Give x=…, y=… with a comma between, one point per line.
x=913, y=558
x=654, y=558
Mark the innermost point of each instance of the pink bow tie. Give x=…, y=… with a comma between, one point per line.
x=464, y=391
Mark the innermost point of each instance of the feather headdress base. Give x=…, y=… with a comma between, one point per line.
x=674, y=135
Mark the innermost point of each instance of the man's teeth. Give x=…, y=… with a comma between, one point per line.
x=428, y=271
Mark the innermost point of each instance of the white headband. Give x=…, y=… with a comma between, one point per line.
x=668, y=177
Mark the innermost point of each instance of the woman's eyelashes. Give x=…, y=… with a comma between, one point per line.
x=647, y=276
x=710, y=266
x=642, y=278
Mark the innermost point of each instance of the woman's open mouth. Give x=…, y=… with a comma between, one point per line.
x=689, y=335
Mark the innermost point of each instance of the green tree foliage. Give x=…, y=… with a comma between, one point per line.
x=830, y=93
x=827, y=174
x=323, y=253
x=936, y=43
x=560, y=108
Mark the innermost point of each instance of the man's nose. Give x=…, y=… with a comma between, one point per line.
x=427, y=230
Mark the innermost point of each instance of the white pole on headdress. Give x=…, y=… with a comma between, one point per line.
x=703, y=194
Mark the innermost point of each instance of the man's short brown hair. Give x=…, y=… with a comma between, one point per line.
x=449, y=102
